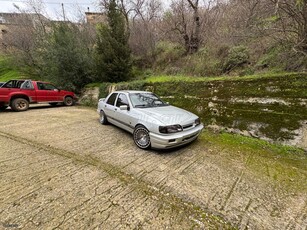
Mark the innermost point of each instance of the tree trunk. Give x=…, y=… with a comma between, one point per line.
x=194, y=41
x=303, y=29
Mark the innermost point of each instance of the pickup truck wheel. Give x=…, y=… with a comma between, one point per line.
x=68, y=101
x=20, y=104
x=3, y=107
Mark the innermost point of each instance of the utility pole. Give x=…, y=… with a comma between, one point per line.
x=63, y=12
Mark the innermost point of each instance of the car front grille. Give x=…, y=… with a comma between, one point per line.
x=187, y=126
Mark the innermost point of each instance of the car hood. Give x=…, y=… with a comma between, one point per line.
x=169, y=115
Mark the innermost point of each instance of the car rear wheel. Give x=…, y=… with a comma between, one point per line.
x=141, y=137
x=103, y=119
x=68, y=101
x=20, y=104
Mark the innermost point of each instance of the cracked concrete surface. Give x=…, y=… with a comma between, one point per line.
x=61, y=169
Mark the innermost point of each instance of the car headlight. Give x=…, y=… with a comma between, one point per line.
x=197, y=122
x=170, y=129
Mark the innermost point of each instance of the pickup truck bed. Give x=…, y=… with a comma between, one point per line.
x=18, y=94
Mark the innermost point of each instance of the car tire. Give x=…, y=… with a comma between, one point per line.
x=53, y=103
x=68, y=101
x=141, y=137
x=103, y=118
x=3, y=107
x=20, y=105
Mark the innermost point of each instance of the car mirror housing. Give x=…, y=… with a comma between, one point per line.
x=124, y=107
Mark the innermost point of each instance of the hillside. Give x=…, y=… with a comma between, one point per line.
x=7, y=71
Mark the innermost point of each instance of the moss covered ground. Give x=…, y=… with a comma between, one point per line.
x=271, y=106
x=283, y=165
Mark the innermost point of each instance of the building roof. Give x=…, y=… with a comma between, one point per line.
x=19, y=18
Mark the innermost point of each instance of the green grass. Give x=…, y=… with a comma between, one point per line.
x=167, y=78
x=7, y=71
x=181, y=78
x=283, y=165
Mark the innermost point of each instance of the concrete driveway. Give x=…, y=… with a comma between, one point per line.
x=60, y=168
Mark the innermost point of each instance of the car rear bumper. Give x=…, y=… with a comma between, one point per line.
x=159, y=141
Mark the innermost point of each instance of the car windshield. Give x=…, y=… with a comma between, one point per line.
x=146, y=100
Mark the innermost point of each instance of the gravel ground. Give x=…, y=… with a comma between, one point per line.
x=59, y=168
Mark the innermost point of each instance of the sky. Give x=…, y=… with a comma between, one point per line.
x=53, y=8
x=74, y=9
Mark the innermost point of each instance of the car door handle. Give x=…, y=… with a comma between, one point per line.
x=115, y=109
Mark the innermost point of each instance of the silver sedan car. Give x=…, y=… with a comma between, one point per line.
x=152, y=122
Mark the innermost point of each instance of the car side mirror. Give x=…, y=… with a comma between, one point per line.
x=124, y=107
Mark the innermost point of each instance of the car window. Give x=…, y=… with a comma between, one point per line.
x=122, y=100
x=49, y=86
x=27, y=85
x=45, y=86
x=111, y=99
x=40, y=86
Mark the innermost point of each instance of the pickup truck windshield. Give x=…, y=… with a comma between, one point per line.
x=145, y=100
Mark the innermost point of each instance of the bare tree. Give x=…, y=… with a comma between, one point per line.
x=293, y=21
x=192, y=20
x=144, y=29
x=194, y=39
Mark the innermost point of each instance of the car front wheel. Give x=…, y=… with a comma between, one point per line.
x=141, y=137
x=68, y=101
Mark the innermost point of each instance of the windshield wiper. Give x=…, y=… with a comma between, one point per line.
x=143, y=105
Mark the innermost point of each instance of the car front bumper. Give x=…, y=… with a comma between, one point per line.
x=159, y=141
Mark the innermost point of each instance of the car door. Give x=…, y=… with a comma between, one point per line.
x=47, y=92
x=109, y=107
x=123, y=116
x=41, y=93
x=53, y=92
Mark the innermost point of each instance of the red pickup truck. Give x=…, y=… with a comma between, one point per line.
x=18, y=94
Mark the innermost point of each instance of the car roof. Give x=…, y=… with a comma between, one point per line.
x=131, y=91
x=30, y=80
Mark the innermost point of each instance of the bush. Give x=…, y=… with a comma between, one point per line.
x=65, y=58
x=201, y=63
x=168, y=53
x=104, y=89
x=237, y=57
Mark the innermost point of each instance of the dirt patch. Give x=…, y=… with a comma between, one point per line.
x=60, y=167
